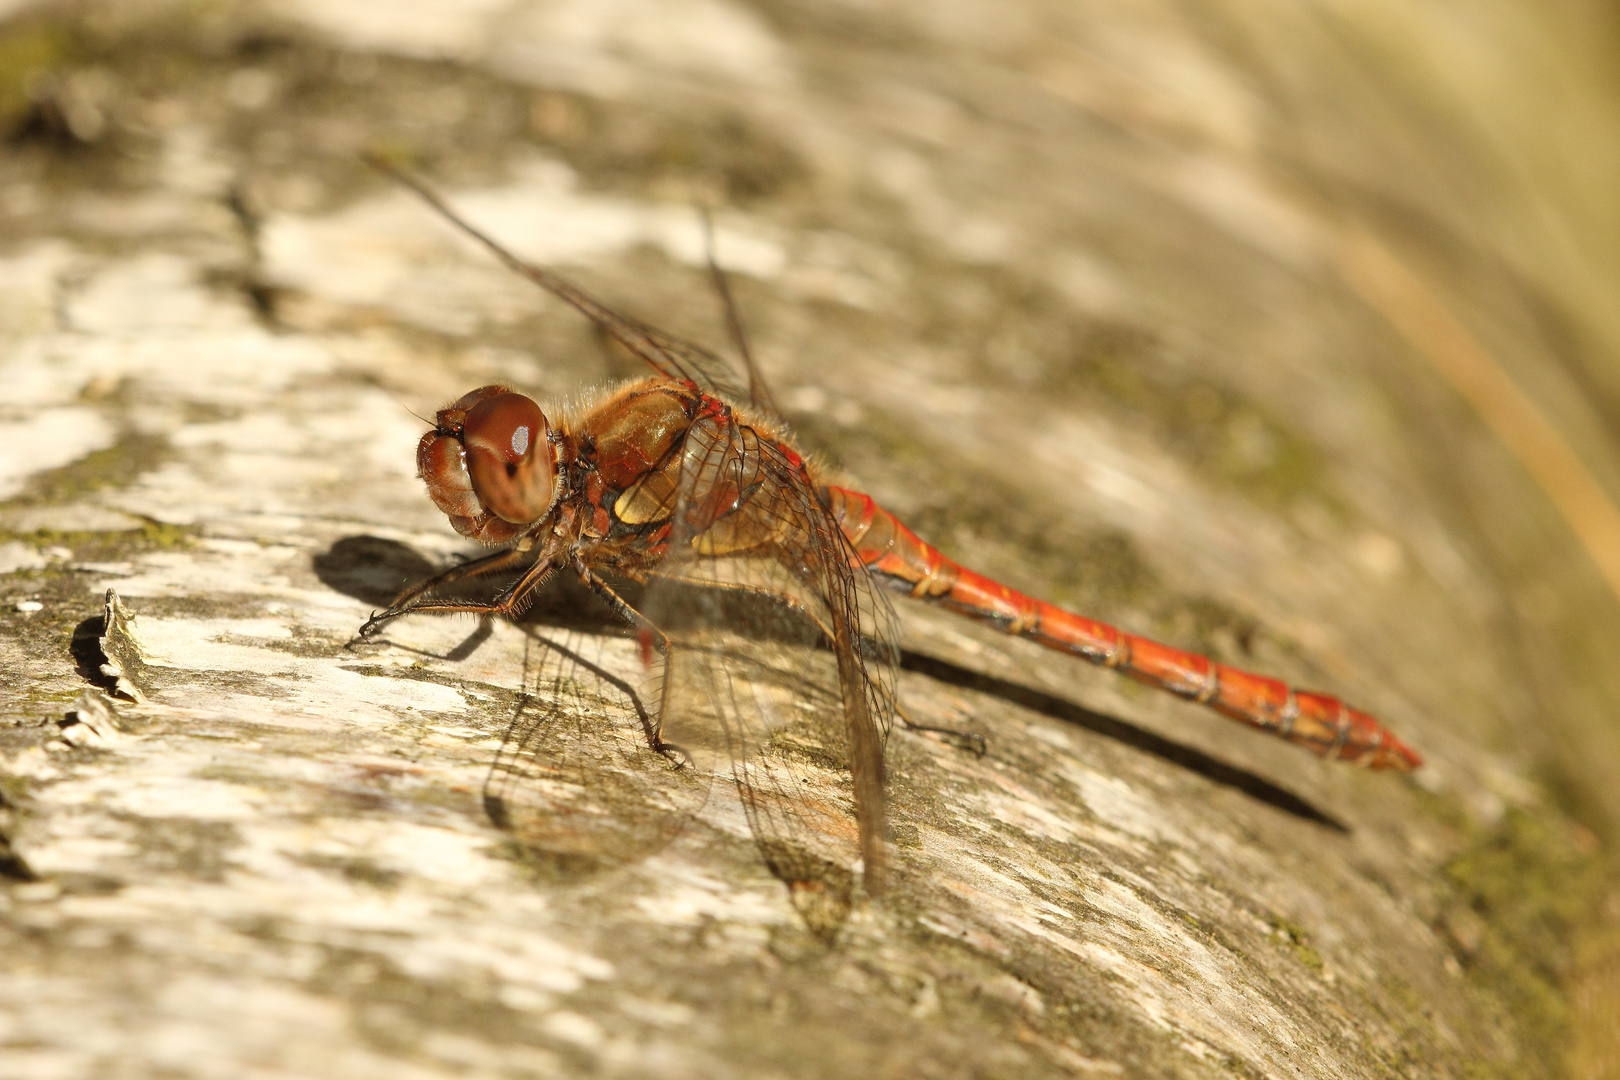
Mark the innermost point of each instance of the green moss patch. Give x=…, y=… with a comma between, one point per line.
x=1222, y=435
x=1520, y=896
x=1292, y=937
x=152, y=535
x=30, y=49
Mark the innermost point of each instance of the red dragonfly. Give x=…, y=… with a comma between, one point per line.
x=763, y=601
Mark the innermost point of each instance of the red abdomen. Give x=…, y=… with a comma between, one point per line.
x=1318, y=722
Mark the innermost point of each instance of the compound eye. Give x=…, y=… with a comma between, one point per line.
x=510, y=459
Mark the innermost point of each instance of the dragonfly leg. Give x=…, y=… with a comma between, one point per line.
x=486, y=564
x=660, y=641
x=405, y=601
x=507, y=604
x=971, y=741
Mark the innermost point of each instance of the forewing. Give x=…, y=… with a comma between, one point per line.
x=669, y=356
x=783, y=655
x=576, y=782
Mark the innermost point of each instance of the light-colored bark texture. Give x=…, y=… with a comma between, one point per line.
x=1171, y=312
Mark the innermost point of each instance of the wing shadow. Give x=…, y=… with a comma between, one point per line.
x=373, y=569
x=576, y=783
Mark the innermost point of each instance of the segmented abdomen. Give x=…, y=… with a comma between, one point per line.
x=1318, y=722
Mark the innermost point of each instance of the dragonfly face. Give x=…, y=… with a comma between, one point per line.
x=490, y=464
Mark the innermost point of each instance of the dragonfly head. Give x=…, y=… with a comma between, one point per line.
x=490, y=455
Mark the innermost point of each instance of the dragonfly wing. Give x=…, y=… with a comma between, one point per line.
x=669, y=356
x=677, y=359
x=576, y=782
x=783, y=656
x=759, y=394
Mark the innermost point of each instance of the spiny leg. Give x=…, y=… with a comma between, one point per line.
x=405, y=603
x=660, y=641
x=508, y=604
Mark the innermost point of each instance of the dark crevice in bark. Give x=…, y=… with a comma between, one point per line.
x=88, y=657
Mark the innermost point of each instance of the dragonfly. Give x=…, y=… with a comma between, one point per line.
x=764, y=615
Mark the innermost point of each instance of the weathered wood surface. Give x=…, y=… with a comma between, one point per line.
x=1077, y=293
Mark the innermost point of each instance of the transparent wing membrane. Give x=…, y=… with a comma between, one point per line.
x=783, y=657
x=667, y=355
x=576, y=782
x=780, y=664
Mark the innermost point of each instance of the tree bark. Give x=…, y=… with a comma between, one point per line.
x=1177, y=315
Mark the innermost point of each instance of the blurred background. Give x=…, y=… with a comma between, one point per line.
x=1286, y=332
